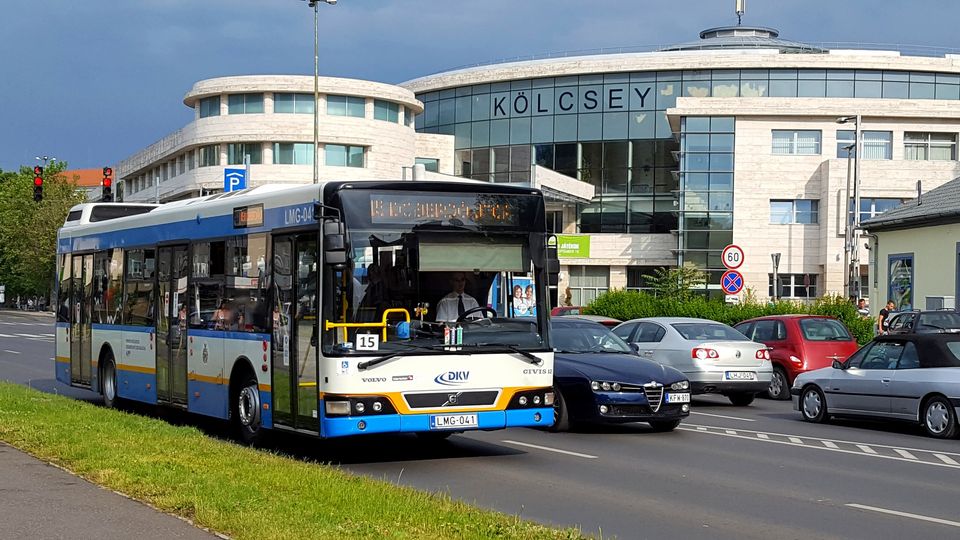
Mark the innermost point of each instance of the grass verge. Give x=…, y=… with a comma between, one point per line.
x=238, y=491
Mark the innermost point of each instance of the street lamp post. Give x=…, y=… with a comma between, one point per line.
x=316, y=84
x=45, y=159
x=852, y=236
x=847, y=222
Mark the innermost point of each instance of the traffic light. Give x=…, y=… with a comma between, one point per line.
x=38, y=183
x=107, y=185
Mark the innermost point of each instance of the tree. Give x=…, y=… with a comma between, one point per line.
x=676, y=282
x=28, y=230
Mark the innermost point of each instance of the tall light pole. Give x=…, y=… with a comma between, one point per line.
x=847, y=229
x=854, y=234
x=45, y=159
x=316, y=84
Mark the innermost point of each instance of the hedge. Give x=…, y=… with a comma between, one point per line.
x=625, y=305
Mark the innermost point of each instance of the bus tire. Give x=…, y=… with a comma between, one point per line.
x=245, y=410
x=108, y=382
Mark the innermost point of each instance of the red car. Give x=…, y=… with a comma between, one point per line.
x=566, y=310
x=798, y=343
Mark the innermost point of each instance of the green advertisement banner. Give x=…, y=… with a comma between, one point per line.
x=573, y=246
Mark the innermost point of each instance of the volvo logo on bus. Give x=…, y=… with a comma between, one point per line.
x=452, y=378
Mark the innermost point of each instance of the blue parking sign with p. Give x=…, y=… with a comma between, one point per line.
x=234, y=179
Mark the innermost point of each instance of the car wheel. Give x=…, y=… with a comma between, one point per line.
x=664, y=425
x=939, y=418
x=779, y=386
x=246, y=411
x=108, y=383
x=741, y=400
x=561, y=416
x=813, y=406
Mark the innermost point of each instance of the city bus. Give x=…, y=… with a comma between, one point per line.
x=329, y=309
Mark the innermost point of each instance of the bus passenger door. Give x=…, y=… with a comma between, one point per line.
x=171, y=320
x=294, y=344
x=80, y=319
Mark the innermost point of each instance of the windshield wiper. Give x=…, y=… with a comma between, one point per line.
x=512, y=347
x=381, y=359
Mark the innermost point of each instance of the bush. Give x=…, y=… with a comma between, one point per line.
x=625, y=305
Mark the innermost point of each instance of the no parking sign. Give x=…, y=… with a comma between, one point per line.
x=731, y=282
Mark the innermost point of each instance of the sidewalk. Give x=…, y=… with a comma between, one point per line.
x=38, y=500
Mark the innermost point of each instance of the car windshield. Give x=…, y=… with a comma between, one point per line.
x=938, y=321
x=587, y=338
x=824, y=330
x=704, y=331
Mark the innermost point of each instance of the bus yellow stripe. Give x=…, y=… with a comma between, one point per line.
x=137, y=369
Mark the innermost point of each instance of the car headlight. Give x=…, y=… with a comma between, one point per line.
x=594, y=385
x=682, y=385
x=605, y=386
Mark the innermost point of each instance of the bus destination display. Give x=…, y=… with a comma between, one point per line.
x=466, y=209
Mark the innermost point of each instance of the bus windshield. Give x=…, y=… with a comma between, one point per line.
x=415, y=285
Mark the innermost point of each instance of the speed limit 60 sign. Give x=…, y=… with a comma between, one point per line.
x=732, y=257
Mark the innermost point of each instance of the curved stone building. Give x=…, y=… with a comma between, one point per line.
x=732, y=139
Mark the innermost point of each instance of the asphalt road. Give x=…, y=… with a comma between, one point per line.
x=727, y=472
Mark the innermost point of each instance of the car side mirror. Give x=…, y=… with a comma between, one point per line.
x=635, y=348
x=839, y=365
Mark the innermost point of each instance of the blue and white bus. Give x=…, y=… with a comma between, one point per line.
x=315, y=308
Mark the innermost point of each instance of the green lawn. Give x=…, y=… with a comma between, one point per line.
x=238, y=491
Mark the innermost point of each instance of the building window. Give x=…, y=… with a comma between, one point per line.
x=210, y=106
x=346, y=106
x=408, y=116
x=555, y=221
x=900, y=280
x=877, y=144
x=236, y=152
x=794, y=285
x=384, y=110
x=794, y=212
x=293, y=103
x=870, y=208
x=429, y=164
x=796, y=142
x=245, y=103
x=845, y=139
x=929, y=146
x=588, y=282
x=210, y=155
x=293, y=153
x=344, y=156
x=637, y=279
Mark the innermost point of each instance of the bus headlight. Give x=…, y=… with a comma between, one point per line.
x=377, y=406
x=548, y=399
x=523, y=400
x=360, y=407
x=337, y=408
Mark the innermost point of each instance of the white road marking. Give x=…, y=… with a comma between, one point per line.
x=723, y=416
x=762, y=436
x=35, y=335
x=796, y=440
x=829, y=444
x=731, y=432
x=701, y=428
x=904, y=514
x=946, y=459
x=548, y=449
x=755, y=436
x=904, y=453
x=11, y=352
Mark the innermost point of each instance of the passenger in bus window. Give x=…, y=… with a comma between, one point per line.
x=223, y=317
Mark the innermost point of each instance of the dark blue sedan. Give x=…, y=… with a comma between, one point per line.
x=597, y=378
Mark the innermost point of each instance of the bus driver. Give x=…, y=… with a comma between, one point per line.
x=456, y=303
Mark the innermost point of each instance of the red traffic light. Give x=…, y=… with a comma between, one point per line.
x=107, y=171
x=37, y=170
x=107, y=183
x=38, y=181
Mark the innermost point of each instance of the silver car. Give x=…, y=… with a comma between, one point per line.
x=913, y=377
x=715, y=357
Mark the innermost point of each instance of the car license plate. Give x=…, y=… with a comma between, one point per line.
x=453, y=421
x=678, y=398
x=740, y=376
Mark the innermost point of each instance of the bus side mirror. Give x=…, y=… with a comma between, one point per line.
x=553, y=266
x=334, y=243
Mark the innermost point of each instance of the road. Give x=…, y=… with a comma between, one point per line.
x=726, y=472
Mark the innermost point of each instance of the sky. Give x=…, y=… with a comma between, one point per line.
x=92, y=82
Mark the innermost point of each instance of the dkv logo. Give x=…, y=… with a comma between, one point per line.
x=452, y=378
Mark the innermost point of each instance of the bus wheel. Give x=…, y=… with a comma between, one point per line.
x=108, y=383
x=246, y=411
